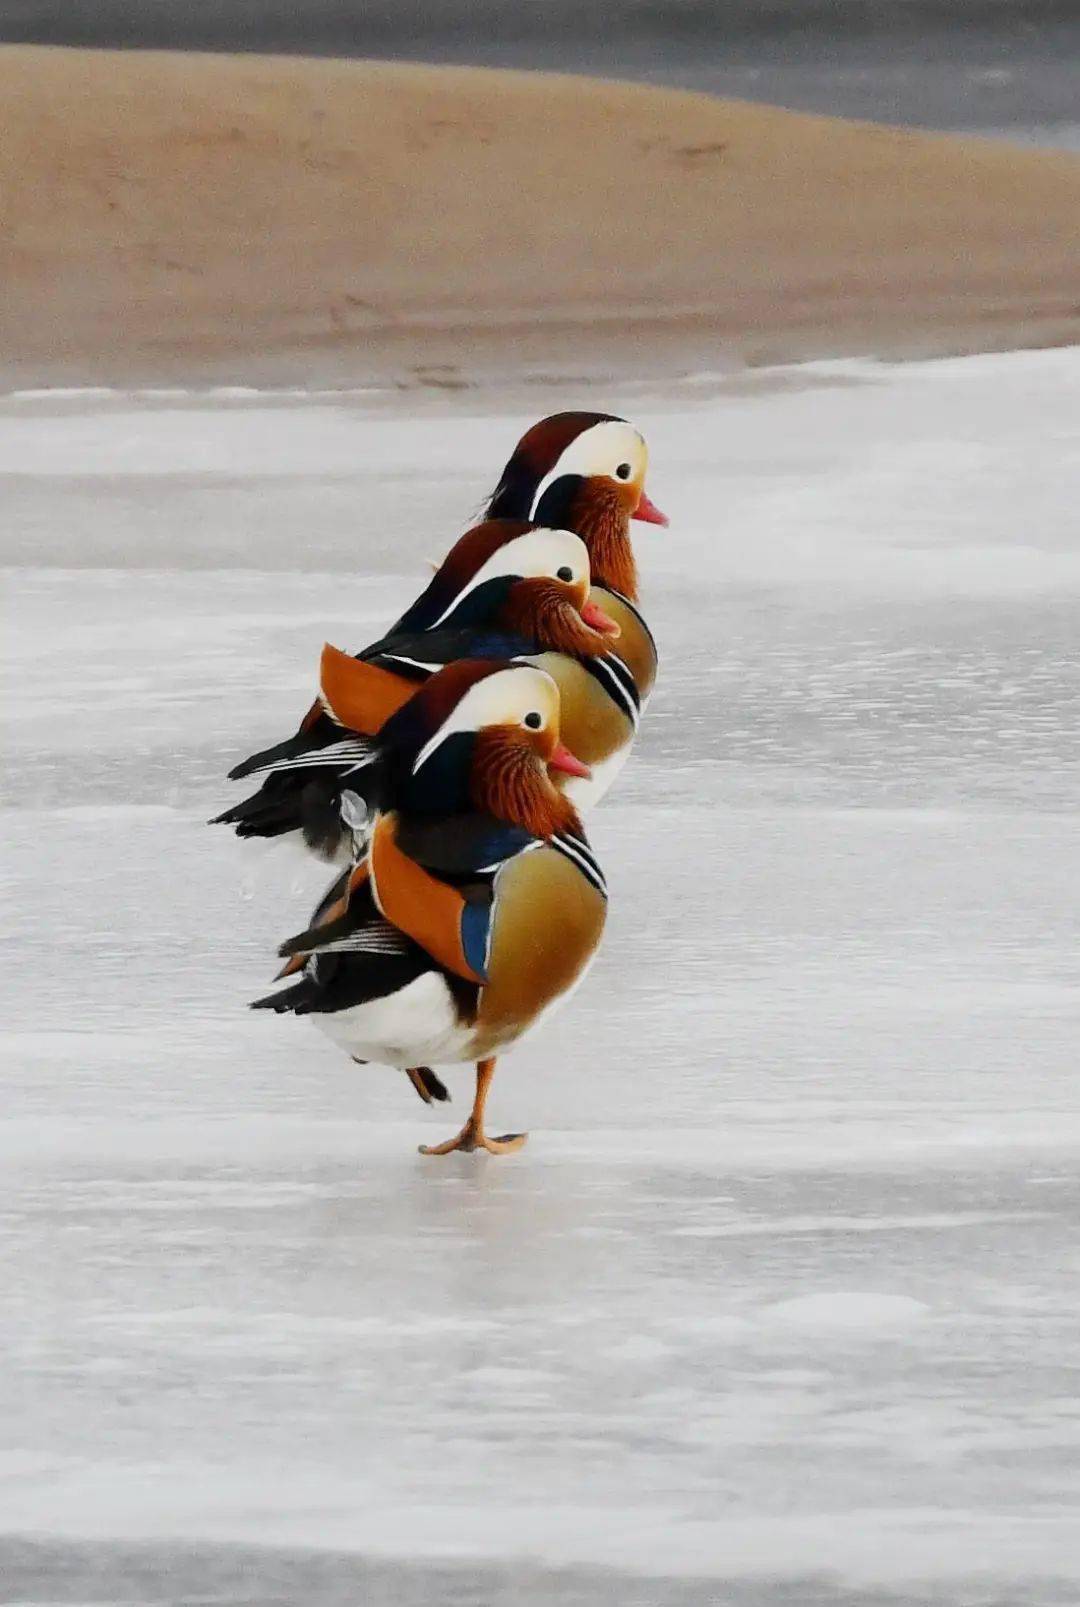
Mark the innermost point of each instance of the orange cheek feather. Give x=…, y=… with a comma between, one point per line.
x=509, y=784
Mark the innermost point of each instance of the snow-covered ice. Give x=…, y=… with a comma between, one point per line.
x=780, y=1305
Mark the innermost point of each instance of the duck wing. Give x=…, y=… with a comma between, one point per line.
x=462, y=845
x=349, y=955
x=450, y=922
x=420, y=653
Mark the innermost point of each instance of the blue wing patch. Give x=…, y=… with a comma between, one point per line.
x=476, y=936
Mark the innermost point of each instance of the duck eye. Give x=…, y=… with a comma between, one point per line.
x=533, y=720
x=565, y=573
x=623, y=471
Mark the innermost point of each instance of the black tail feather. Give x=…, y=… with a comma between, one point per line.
x=319, y=815
x=296, y=1000
x=289, y=749
x=270, y=812
x=307, y=800
x=317, y=936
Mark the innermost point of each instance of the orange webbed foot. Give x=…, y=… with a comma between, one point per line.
x=470, y=1139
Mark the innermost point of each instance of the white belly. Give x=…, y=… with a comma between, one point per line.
x=417, y=1026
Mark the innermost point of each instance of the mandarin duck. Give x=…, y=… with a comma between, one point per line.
x=586, y=472
x=478, y=903
x=507, y=589
x=589, y=469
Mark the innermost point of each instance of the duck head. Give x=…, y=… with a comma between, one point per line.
x=584, y=472
x=513, y=575
x=482, y=735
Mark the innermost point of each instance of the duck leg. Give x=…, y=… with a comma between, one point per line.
x=472, y=1135
x=427, y=1085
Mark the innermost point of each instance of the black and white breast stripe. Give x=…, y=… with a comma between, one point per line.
x=619, y=684
x=578, y=852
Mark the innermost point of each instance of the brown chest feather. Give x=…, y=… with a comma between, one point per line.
x=548, y=921
x=635, y=646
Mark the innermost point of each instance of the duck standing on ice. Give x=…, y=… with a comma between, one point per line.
x=508, y=589
x=578, y=472
x=478, y=904
x=586, y=472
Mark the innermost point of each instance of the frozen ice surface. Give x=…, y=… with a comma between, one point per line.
x=779, y=1307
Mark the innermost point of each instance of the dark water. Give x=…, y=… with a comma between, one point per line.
x=992, y=66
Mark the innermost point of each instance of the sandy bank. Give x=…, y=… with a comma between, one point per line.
x=272, y=218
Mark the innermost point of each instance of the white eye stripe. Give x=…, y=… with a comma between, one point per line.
x=536, y=553
x=504, y=698
x=598, y=452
